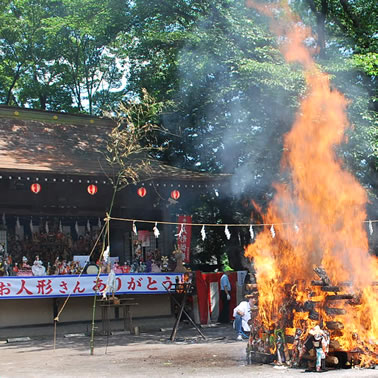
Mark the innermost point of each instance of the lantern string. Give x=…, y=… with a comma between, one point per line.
x=215, y=224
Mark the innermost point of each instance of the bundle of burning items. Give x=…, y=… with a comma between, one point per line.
x=308, y=333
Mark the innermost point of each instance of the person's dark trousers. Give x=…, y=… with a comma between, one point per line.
x=224, y=314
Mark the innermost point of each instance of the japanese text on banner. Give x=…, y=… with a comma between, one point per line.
x=184, y=235
x=63, y=285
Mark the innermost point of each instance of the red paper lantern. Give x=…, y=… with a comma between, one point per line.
x=35, y=188
x=142, y=192
x=175, y=194
x=92, y=189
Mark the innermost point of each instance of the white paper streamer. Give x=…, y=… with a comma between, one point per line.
x=60, y=226
x=106, y=254
x=47, y=227
x=88, y=226
x=251, y=232
x=156, y=231
x=111, y=284
x=18, y=225
x=135, y=229
x=203, y=232
x=77, y=227
x=296, y=228
x=112, y=280
x=4, y=220
x=182, y=230
x=31, y=225
x=371, y=230
x=227, y=232
x=98, y=223
x=273, y=232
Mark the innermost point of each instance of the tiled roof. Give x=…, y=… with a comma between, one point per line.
x=59, y=143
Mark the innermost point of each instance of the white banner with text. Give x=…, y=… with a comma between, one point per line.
x=19, y=287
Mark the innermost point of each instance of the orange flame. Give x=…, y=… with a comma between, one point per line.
x=326, y=203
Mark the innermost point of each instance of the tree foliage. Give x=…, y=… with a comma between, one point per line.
x=132, y=140
x=58, y=55
x=226, y=94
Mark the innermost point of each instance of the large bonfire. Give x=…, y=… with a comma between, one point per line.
x=319, y=221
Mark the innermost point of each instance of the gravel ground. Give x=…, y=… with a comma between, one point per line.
x=147, y=355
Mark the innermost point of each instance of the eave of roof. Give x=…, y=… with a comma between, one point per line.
x=35, y=142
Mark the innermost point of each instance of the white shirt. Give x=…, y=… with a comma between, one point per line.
x=244, y=307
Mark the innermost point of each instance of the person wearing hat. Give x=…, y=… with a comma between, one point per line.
x=225, y=296
x=242, y=315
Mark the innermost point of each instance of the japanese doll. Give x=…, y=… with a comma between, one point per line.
x=64, y=268
x=38, y=269
x=8, y=262
x=117, y=268
x=25, y=268
x=74, y=267
x=15, y=269
x=56, y=266
x=155, y=268
x=126, y=267
x=148, y=266
x=164, y=263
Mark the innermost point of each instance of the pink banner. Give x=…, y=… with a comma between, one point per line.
x=63, y=285
x=184, y=236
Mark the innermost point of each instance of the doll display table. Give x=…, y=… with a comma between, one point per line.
x=125, y=304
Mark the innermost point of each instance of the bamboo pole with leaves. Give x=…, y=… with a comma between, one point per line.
x=128, y=152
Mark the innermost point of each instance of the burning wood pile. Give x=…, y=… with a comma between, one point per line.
x=313, y=229
x=307, y=332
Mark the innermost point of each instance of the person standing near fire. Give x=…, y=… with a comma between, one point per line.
x=225, y=296
x=243, y=313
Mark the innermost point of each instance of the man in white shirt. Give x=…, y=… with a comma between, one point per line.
x=242, y=314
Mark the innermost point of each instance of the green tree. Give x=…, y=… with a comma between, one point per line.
x=228, y=95
x=60, y=55
x=234, y=96
x=224, y=73
x=88, y=30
